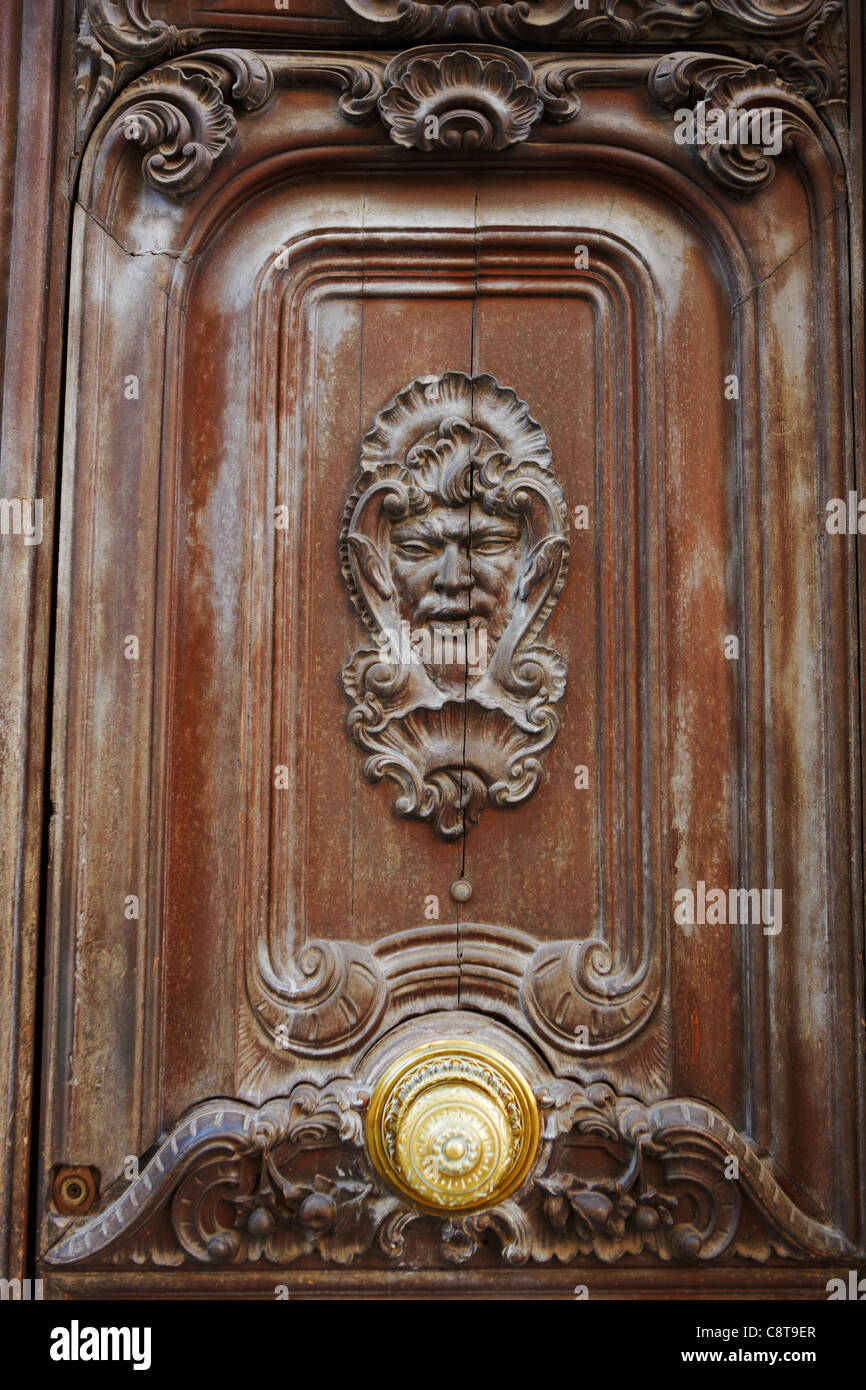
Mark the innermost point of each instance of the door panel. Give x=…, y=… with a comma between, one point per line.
x=258, y=915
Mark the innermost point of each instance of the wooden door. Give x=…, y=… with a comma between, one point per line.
x=455, y=870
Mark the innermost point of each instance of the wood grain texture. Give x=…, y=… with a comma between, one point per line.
x=268, y=314
x=35, y=142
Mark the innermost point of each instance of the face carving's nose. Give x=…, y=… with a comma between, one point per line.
x=453, y=572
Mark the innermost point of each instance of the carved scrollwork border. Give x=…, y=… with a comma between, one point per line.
x=235, y=1184
x=118, y=39
x=805, y=44
x=460, y=102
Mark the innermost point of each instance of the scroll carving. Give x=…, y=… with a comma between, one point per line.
x=359, y=82
x=743, y=164
x=454, y=548
x=577, y=999
x=682, y=79
x=804, y=44
x=116, y=39
x=326, y=1001
x=180, y=113
x=235, y=1184
x=744, y=98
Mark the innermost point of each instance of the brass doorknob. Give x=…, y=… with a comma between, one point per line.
x=453, y=1125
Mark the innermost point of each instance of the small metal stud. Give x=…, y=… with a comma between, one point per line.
x=461, y=890
x=74, y=1190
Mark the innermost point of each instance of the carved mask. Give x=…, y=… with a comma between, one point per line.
x=454, y=549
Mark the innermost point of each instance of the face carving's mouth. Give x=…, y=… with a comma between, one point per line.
x=451, y=612
x=434, y=608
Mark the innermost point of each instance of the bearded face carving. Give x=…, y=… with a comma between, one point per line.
x=454, y=549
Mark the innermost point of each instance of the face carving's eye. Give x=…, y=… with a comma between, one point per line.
x=414, y=550
x=493, y=545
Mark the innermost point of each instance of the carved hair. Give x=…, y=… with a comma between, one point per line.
x=454, y=439
x=453, y=749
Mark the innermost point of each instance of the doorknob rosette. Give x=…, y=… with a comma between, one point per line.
x=453, y=1125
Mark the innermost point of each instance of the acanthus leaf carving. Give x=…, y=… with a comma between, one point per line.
x=745, y=97
x=625, y=20
x=116, y=40
x=821, y=73
x=614, y=1177
x=181, y=116
x=671, y=1150
x=460, y=19
x=805, y=44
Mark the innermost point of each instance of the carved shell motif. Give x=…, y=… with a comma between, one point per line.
x=459, y=101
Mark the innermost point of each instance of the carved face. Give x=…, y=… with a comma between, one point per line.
x=456, y=565
x=453, y=548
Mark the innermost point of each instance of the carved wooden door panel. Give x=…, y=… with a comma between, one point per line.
x=455, y=868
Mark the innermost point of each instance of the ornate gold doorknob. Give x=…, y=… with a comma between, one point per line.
x=453, y=1125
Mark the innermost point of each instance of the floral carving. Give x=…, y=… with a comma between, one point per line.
x=455, y=534
x=486, y=99
x=614, y=1177
x=459, y=101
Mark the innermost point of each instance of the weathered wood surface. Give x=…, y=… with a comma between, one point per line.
x=239, y=316
x=36, y=45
